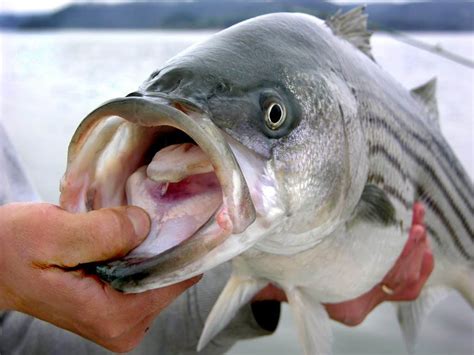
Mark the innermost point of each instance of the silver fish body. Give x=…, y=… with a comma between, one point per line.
x=320, y=156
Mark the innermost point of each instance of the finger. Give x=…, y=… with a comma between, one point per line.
x=418, y=213
x=127, y=306
x=155, y=302
x=427, y=266
x=98, y=235
x=415, y=283
x=414, y=237
x=408, y=263
x=415, y=258
x=108, y=314
x=353, y=312
x=412, y=291
x=137, y=332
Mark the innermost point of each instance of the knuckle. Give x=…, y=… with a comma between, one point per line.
x=354, y=320
x=46, y=209
x=43, y=214
x=411, y=295
x=104, y=327
x=398, y=283
x=93, y=325
x=109, y=330
x=412, y=279
x=418, y=232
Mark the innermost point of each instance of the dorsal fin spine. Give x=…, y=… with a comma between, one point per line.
x=352, y=26
x=426, y=94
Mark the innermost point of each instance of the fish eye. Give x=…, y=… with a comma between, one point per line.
x=275, y=115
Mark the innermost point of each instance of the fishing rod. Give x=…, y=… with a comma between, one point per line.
x=434, y=49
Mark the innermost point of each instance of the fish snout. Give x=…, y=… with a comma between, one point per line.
x=193, y=187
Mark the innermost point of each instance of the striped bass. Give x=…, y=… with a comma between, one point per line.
x=280, y=144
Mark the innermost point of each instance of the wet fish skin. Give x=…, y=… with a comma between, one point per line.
x=355, y=127
x=333, y=188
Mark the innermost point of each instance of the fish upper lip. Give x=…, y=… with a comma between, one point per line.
x=158, y=110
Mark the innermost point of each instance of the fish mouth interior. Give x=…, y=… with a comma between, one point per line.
x=178, y=167
x=167, y=174
x=176, y=184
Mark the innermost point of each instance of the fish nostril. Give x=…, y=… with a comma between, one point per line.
x=165, y=84
x=176, y=85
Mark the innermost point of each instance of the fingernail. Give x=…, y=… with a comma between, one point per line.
x=140, y=221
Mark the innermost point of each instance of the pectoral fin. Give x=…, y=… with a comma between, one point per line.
x=238, y=291
x=312, y=320
x=375, y=207
x=411, y=314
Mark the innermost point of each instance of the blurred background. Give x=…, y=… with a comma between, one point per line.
x=61, y=59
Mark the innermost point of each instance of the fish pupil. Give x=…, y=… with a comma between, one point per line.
x=275, y=114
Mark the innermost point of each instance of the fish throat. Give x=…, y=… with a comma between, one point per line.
x=179, y=190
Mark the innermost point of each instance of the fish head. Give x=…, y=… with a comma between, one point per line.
x=239, y=141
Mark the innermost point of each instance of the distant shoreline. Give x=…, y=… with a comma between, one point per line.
x=214, y=15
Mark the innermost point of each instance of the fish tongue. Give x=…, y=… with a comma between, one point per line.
x=175, y=162
x=179, y=191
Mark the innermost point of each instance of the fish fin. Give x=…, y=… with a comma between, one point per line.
x=238, y=291
x=426, y=93
x=465, y=286
x=375, y=206
x=312, y=321
x=411, y=314
x=352, y=26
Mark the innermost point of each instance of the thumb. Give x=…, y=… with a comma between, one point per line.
x=101, y=235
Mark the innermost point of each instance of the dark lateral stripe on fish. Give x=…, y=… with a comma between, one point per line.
x=375, y=148
x=433, y=206
x=380, y=149
x=447, y=167
x=430, y=171
x=451, y=160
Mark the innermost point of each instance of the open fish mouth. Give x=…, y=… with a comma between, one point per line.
x=167, y=157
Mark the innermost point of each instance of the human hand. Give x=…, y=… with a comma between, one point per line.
x=403, y=282
x=42, y=248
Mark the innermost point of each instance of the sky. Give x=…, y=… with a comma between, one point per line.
x=20, y=6
x=41, y=5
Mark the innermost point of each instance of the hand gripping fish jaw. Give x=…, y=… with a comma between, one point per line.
x=170, y=159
